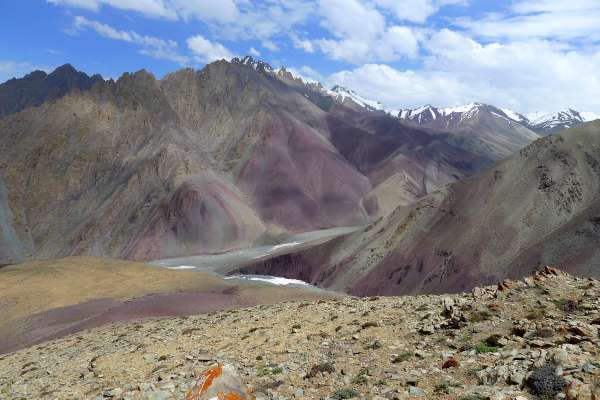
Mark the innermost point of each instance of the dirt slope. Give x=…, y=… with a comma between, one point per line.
x=46, y=299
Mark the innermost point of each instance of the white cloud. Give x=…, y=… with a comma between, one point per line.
x=303, y=44
x=229, y=19
x=526, y=76
x=415, y=10
x=270, y=45
x=361, y=34
x=208, y=10
x=307, y=74
x=151, y=8
x=151, y=46
x=542, y=19
x=206, y=51
x=393, y=44
x=16, y=69
x=253, y=52
x=351, y=18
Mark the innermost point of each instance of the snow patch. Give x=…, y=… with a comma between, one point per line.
x=340, y=93
x=182, y=267
x=274, y=280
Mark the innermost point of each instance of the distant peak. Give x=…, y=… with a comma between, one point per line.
x=341, y=89
x=258, y=65
x=64, y=68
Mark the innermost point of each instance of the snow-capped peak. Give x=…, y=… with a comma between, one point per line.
x=428, y=113
x=251, y=62
x=342, y=94
x=548, y=123
x=556, y=117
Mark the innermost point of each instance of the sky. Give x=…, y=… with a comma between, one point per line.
x=527, y=55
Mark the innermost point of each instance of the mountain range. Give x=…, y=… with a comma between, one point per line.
x=199, y=162
x=240, y=154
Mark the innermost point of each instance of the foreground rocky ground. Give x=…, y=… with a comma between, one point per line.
x=536, y=338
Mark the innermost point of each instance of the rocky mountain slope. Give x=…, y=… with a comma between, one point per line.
x=200, y=161
x=538, y=206
x=530, y=339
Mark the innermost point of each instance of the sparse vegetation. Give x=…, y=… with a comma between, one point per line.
x=483, y=347
x=362, y=376
x=269, y=370
x=481, y=315
x=544, y=382
x=446, y=386
x=320, y=368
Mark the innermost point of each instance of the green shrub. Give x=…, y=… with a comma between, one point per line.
x=485, y=348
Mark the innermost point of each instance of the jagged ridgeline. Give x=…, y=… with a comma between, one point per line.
x=200, y=161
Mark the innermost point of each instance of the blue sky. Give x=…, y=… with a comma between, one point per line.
x=535, y=55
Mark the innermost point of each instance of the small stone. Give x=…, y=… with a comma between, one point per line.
x=411, y=380
x=414, y=391
x=112, y=392
x=517, y=378
x=588, y=367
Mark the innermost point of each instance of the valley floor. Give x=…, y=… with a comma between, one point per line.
x=481, y=345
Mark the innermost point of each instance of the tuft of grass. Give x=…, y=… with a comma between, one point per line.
x=269, y=370
x=483, y=347
x=480, y=316
x=446, y=386
x=536, y=314
x=374, y=345
x=319, y=369
x=362, y=376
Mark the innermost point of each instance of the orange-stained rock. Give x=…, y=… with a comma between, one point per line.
x=219, y=382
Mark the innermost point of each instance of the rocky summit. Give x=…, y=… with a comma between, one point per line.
x=524, y=339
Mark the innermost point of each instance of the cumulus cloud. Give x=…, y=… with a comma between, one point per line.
x=151, y=46
x=253, y=52
x=527, y=76
x=209, y=10
x=306, y=73
x=416, y=10
x=230, y=19
x=542, y=19
x=151, y=8
x=361, y=34
x=206, y=51
x=303, y=44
